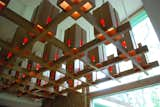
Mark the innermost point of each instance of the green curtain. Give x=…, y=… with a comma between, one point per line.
x=138, y=18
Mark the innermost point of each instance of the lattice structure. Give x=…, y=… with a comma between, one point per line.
x=75, y=47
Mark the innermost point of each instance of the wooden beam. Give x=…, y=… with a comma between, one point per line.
x=104, y=65
x=120, y=75
x=126, y=87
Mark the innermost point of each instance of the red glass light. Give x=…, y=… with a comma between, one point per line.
x=102, y=22
x=81, y=43
x=38, y=66
x=29, y=66
x=93, y=58
x=2, y=5
x=49, y=19
x=17, y=74
x=89, y=77
x=38, y=82
x=70, y=67
x=70, y=83
x=46, y=57
x=139, y=59
x=110, y=69
x=124, y=44
x=69, y=42
x=56, y=56
x=25, y=41
x=9, y=55
x=52, y=75
x=23, y=75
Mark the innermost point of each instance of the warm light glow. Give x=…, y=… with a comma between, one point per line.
x=101, y=37
x=112, y=31
x=75, y=50
x=86, y=7
x=2, y=5
x=76, y=1
x=39, y=28
x=50, y=34
x=65, y=6
x=75, y=15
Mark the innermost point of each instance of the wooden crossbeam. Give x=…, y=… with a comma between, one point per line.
x=90, y=45
x=92, y=21
x=104, y=65
x=120, y=75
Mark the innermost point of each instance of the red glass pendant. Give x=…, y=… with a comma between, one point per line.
x=102, y=22
x=56, y=56
x=124, y=44
x=23, y=75
x=70, y=83
x=69, y=42
x=38, y=82
x=81, y=43
x=49, y=20
x=139, y=59
x=38, y=66
x=2, y=5
x=52, y=75
x=89, y=77
x=93, y=58
x=25, y=41
x=110, y=69
x=29, y=66
x=9, y=55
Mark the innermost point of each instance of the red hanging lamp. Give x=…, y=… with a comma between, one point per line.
x=102, y=22
x=9, y=55
x=49, y=20
x=69, y=42
x=2, y=5
x=124, y=44
x=25, y=41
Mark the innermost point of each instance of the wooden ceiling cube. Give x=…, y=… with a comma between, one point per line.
x=44, y=13
x=75, y=36
x=106, y=17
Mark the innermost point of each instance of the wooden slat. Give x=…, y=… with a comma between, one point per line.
x=104, y=64
x=120, y=75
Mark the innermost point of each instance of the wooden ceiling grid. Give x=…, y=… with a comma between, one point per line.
x=48, y=32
